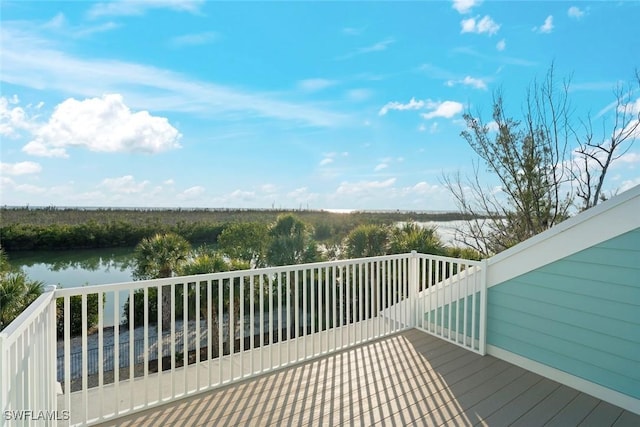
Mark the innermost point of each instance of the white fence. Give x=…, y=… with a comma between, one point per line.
x=28, y=385
x=200, y=332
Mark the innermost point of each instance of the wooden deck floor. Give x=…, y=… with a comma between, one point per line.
x=407, y=379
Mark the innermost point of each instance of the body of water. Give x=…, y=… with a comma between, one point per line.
x=87, y=267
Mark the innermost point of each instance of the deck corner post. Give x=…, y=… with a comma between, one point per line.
x=482, y=346
x=413, y=288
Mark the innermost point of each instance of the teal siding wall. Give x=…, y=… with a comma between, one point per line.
x=580, y=314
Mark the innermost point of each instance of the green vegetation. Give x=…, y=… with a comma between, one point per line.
x=53, y=228
x=75, y=309
x=16, y=291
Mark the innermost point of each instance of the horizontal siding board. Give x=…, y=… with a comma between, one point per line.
x=580, y=286
x=559, y=346
x=616, y=381
x=579, y=314
x=609, y=257
x=623, y=348
x=623, y=311
x=599, y=324
x=627, y=241
x=589, y=271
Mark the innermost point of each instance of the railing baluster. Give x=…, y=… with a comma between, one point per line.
x=220, y=331
x=241, y=327
x=305, y=314
x=145, y=353
x=172, y=310
x=160, y=341
x=252, y=326
x=198, y=345
x=185, y=336
x=116, y=349
x=261, y=280
x=209, y=331
x=131, y=347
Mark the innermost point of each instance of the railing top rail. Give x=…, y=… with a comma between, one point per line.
x=24, y=320
x=221, y=275
x=243, y=273
x=450, y=259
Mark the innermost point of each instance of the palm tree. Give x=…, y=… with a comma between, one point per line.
x=16, y=291
x=413, y=237
x=160, y=256
x=367, y=240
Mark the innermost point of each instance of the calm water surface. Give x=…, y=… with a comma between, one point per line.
x=71, y=269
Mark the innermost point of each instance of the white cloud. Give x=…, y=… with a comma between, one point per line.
x=103, y=125
x=547, y=27
x=629, y=158
x=326, y=161
x=380, y=167
x=124, y=185
x=501, y=45
x=30, y=61
x=484, y=25
x=13, y=119
x=465, y=6
x=29, y=188
x=314, y=85
x=575, y=12
x=376, y=47
x=364, y=187
x=446, y=109
x=137, y=7
x=469, y=81
x=192, y=193
x=194, y=39
x=629, y=184
x=168, y=182
x=22, y=168
x=413, y=104
x=422, y=188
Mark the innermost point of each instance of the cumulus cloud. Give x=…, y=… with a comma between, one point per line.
x=123, y=185
x=465, y=6
x=479, y=26
x=469, y=81
x=22, y=168
x=326, y=161
x=446, y=109
x=103, y=125
x=380, y=167
x=411, y=105
x=575, y=12
x=13, y=119
x=501, y=45
x=547, y=27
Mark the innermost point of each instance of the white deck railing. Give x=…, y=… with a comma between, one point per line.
x=221, y=328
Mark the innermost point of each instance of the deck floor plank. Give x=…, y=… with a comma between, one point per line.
x=406, y=379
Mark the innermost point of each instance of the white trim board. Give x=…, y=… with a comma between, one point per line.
x=607, y=220
x=600, y=392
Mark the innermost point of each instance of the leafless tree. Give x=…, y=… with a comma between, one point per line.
x=529, y=157
x=595, y=156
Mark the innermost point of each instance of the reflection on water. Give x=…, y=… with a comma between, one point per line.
x=87, y=267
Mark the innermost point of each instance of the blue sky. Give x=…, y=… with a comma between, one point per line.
x=326, y=105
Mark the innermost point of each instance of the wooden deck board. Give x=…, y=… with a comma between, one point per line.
x=406, y=379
